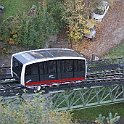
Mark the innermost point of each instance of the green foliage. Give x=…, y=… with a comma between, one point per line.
x=109, y=120
x=116, y=52
x=8, y=27
x=92, y=113
x=100, y=119
x=75, y=19
x=76, y=27
x=59, y=117
x=31, y=31
x=35, y=30
x=28, y=112
x=31, y=111
x=12, y=7
x=113, y=119
x=57, y=9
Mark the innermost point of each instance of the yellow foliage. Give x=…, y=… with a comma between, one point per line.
x=75, y=32
x=86, y=31
x=79, y=25
x=90, y=23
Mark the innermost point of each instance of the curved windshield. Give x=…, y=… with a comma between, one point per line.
x=99, y=11
x=16, y=68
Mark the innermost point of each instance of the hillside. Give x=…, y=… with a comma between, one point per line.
x=110, y=32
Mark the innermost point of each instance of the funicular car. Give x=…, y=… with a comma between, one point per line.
x=47, y=67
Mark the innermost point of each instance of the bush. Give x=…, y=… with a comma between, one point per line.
x=31, y=112
x=35, y=30
x=31, y=31
x=75, y=17
x=57, y=9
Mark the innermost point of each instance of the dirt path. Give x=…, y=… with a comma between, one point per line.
x=110, y=32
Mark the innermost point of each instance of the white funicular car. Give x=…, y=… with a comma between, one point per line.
x=100, y=11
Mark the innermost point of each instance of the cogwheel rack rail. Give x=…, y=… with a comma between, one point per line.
x=104, y=85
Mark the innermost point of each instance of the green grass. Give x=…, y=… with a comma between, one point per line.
x=92, y=113
x=12, y=7
x=117, y=51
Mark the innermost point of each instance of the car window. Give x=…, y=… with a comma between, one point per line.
x=101, y=8
x=99, y=11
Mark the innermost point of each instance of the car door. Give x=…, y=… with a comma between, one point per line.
x=48, y=71
x=65, y=69
x=79, y=68
x=32, y=73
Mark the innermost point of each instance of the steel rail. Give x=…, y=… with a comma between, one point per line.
x=15, y=89
x=100, y=73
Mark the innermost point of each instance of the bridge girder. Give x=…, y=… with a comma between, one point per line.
x=85, y=97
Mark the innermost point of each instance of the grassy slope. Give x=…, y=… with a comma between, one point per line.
x=14, y=6
x=117, y=52
x=92, y=113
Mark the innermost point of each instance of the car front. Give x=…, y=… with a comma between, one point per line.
x=100, y=11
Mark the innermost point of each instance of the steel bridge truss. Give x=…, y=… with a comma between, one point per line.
x=85, y=97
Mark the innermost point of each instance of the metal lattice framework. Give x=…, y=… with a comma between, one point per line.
x=77, y=98
x=85, y=97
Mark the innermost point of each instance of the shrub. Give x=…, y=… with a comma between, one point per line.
x=57, y=9
x=35, y=30
x=76, y=19
x=108, y=120
x=31, y=31
x=31, y=111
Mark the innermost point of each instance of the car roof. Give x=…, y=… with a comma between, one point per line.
x=1, y=7
x=103, y=3
x=32, y=55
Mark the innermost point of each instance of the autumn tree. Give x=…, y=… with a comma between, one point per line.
x=78, y=14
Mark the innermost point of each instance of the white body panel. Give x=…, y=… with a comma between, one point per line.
x=99, y=17
x=91, y=35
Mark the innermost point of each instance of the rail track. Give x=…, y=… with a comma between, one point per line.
x=10, y=87
x=100, y=73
